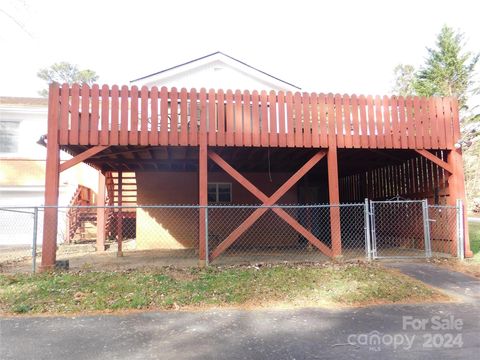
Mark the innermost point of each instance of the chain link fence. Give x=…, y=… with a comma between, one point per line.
x=123, y=237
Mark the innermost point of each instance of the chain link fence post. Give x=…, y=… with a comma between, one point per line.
x=426, y=229
x=206, y=237
x=460, y=230
x=368, y=245
x=34, y=239
x=373, y=231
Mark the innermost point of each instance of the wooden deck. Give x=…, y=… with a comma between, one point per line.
x=169, y=117
x=102, y=125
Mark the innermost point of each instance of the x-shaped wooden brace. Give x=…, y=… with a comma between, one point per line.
x=268, y=201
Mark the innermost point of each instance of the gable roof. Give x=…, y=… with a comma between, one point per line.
x=210, y=58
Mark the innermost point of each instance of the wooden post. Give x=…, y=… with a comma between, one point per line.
x=333, y=193
x=52, y=174
x=101, y=213
x=119, y=216
x=202, y=183
x=456, y=186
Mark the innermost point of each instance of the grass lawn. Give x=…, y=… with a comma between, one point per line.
x=474, y=231
x=172, y=288
x=471, y=265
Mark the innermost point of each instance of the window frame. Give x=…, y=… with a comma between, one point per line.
x=217, y=193
x=16, y=137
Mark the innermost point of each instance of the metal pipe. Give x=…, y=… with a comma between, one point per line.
x=34, y=240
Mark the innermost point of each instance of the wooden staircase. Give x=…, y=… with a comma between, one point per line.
x=80, y=221
x=128, y=197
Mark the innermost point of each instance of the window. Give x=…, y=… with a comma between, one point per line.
x=219, y=192
x=9, y=136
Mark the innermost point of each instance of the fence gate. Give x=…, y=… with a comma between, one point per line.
x=399, y=229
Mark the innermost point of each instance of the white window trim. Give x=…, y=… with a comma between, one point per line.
x=217, y=193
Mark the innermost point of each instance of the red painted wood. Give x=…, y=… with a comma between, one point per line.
x=95, y=101
x=456, y=122
x=247, y=223
x=315, y=120
x=114, y=133
x=418, y=116
x=282, y=134
x=203, y=116
x=212, y=118
x=173, y=133
x=105, y=115
x=73, y=137
x=153, y=135
x=396, y=142
x=193, y=129
x=307, y=126
x=441, y=123
x=133, y=134
x=52, y=175
x=322, y=108
x=386, y=123
x=403, y=123
x=221, y=118
x=339, y=121
x=410, y=123
x=144, y=116
x=371, y=123
x=334, y=199
x=64, y=114
x=85, y=115
x=447, y=110
x=379, y=123
x=290, y=121
x=347, y=121
x=238, y=118
x=273, y=135
x=356, y=143
x=363, y=121
x=247, y=119
x=164, y=121
x=123, y=137
x=298, y=120
x=264, y=119
x=255, y=119
x=183, y=137
x=230, y=120
x=332, y=137
x=425, y=123
x=202, y=189
x=432, y=112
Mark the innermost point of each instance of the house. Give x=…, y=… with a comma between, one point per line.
x=263, y=146
x=215, y=71
x=22, y=165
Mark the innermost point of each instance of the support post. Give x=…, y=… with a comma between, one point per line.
x=202, y=200
x=120, y=216
x=368, y=243
x=101, y=223
x=456, y=186
x=334, y=198
x=460, y=231
x=426, y=229
x=52, y=174
x=34, y=240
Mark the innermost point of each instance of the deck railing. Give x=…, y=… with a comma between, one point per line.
x=131, y=116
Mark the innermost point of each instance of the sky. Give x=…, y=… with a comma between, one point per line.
x=322, y=46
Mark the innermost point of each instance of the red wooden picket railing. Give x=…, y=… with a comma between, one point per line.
x=132, y=116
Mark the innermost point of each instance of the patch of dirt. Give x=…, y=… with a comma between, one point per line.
x=466, y=266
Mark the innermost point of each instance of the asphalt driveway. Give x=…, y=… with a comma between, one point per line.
x=435, y=331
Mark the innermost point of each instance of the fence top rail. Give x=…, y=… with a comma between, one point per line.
x=192, y=206
x=123, y=115
x=396, y=201
x=443, y=207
